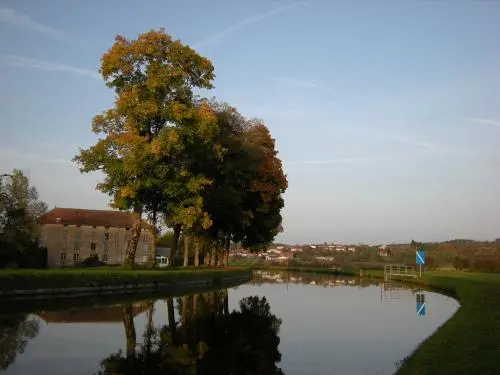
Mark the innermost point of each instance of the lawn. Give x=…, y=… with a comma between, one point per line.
x=12, y=279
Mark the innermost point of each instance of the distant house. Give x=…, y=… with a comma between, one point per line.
x=296, y=250
x=341, y=248
x=163, y=254
x=351, y=249
x=72, y=234
x=383, y=251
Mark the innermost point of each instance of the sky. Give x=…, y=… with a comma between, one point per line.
x=385, y=113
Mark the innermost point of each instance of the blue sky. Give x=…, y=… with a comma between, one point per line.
x=386, y=114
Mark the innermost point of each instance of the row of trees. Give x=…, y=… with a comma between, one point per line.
x=207, y=339
x=194, y=164
x=19, y=211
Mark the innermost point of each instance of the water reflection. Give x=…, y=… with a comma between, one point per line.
x=207, y=339
x=315, y=326
x=15, y=332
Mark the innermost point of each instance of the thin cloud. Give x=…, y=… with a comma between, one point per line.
x=328, y=161
x=33, y=157
x=430, y=146
x=10, y=17
x=25, y=62
x=485, y=121
x=298, y=82
x=216, y=38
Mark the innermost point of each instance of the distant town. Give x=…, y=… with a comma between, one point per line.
x=455, y=254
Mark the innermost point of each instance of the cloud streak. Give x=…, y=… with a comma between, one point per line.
x=485, y=121
x=25, y=62
x=216, y=38
x=298, y=82
x=34, y=157
x=328, y=161
x=10, y=17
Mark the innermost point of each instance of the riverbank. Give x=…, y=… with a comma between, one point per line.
x=327, y=271
x=469, y=342
x=101, y=281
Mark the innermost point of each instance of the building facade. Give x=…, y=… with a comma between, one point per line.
x=72, y=235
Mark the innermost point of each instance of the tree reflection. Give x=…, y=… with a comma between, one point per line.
x=208, y=339
x=15, y=332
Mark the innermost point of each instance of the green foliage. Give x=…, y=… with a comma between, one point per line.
x=20, y=209
x=207, y=170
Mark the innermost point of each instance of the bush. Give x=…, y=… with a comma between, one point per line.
x=92, y=261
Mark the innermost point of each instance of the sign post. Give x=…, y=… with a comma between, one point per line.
x=420, y=304
x=420, y=256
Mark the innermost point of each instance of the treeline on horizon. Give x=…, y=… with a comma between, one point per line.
x=461, y=254
x=193, y=164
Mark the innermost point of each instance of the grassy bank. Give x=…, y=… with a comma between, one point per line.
x=18, y=279
x=469, y=342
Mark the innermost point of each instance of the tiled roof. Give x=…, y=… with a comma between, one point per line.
x=98, y=218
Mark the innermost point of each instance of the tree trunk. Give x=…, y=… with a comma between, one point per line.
x=152, y=255
x=135, y=234
x=175, y=245
x=128, y=322
x=195, y=305
x=221, y=249
x=171, y=319
x=149, y=329
x=213, y=256
x=186, y=250
x=183, y=310
x=226, y=302
x=207, y=257
x=196, y=251
x=226, y=251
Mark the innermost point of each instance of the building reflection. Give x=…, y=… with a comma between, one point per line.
x=92, y=314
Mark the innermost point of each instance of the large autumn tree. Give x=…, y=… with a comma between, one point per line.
x=142, y=138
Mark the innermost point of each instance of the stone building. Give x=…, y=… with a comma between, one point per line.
x=71, y=235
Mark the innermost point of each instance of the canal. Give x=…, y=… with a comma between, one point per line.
x=278, y=323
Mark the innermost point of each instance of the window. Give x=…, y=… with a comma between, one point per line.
x=93, y=246
x=76, y=257
x=63, y=258
x=106, y=236
x=145, y=239
x=105, y=258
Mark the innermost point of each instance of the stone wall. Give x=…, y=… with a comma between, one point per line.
x=67, y=244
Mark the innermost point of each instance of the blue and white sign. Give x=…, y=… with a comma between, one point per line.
x=420, y=257
x=420, y=304
x=421, y=309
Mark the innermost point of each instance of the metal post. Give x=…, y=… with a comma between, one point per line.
x=420, y=270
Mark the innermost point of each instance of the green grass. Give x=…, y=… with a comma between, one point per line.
x=15, y=279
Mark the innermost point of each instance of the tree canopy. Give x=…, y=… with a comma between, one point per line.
x=20, y=209
x=197, y=164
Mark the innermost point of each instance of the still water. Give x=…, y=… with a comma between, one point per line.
x=278, y=323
